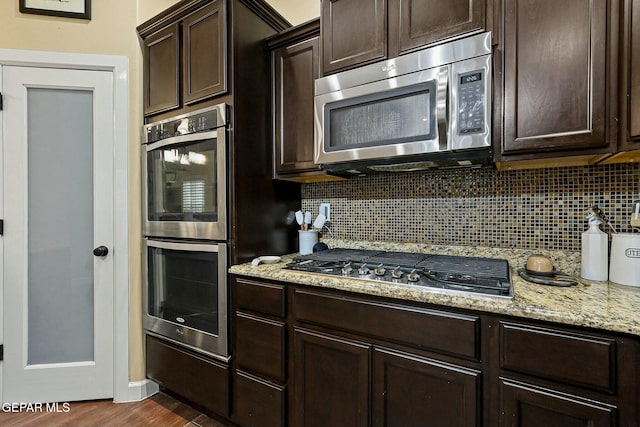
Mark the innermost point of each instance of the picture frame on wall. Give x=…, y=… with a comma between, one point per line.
x=80, y=9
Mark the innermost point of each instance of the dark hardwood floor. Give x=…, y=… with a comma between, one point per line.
x=160, y=410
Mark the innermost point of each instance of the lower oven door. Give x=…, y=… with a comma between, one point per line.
x=185, y=294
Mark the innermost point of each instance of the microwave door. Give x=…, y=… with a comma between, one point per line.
x=399, y=116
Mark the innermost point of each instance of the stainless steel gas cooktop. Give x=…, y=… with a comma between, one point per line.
x=443, y=272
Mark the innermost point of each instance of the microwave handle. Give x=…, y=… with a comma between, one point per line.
x=442, y=107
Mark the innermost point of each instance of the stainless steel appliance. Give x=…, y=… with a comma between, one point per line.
x=430, y=108
x=441, y=273
x=185, y=226
x=185, y=293
x=184, y=170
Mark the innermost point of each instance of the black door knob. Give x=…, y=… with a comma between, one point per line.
x=101, y=251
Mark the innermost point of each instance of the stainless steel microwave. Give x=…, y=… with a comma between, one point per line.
x=430, y=108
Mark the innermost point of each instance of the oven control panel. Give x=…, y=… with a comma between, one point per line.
x=197, y=121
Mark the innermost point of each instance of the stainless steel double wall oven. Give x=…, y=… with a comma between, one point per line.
x=185, y=228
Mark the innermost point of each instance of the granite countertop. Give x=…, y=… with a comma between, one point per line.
x=599, y=305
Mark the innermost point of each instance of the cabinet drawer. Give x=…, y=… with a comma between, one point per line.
x=261, y=297
x=258, y=403
x=194, y=377
x=525, y=405
x=440, y=331
x=260, y=346
x=582, y=360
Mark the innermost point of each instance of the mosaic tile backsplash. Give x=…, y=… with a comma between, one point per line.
x=528, y=209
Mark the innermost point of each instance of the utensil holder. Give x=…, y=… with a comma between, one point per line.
x=307, y=239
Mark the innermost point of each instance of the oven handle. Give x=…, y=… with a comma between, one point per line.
x=212, y=134
x=442, y=107
x=193, y=247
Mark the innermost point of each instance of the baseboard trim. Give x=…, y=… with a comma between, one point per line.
x=140, y=390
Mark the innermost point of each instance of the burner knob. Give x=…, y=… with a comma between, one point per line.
x=363, y=270
x=396, y=273
x=413, y=276
x=347, y=269
x=380, y=270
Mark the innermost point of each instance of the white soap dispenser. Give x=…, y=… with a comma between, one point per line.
x=595, y=253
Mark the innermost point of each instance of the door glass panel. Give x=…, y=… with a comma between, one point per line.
x=60, y=221
x=182, y=183
x=183, y=287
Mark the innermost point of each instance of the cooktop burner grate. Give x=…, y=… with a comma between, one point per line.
x=444, y=272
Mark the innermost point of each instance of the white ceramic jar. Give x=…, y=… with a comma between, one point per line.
x=625, y=259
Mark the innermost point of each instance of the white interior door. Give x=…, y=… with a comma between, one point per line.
x=58, y=206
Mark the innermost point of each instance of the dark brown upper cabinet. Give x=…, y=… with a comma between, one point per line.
x=185, y=61
x=204, y=53
x=162, y=70
x=353, y=32
x=560, y=67
x=356, y=32
x=417, y=23
x=630, y=72
x=295, y=67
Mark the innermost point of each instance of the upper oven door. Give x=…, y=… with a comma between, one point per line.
x=394, y=117
x=185, y=186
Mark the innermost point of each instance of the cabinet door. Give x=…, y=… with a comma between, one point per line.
x=523, y=405
x=353, y=32
x=411, y=391
x=296, y=68
x=196, y=378
x=634, y=72
x=162, y=70
x=331, y=380
x=204, y=53
x=416, y=23
x=555, y=75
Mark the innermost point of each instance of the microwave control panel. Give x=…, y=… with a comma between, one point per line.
x=471, y=102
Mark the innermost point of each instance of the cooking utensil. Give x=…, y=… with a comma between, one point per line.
x=300, y=219
x=319, y=222
x=635, y=216
x=307, y=220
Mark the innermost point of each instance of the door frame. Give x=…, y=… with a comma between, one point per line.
x=119, y=67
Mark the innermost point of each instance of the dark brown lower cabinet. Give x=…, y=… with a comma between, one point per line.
x=258, y=403
x=525, y=405
x=331, y=384
x=413, y=391
x=312, y=357
x=196, y=378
